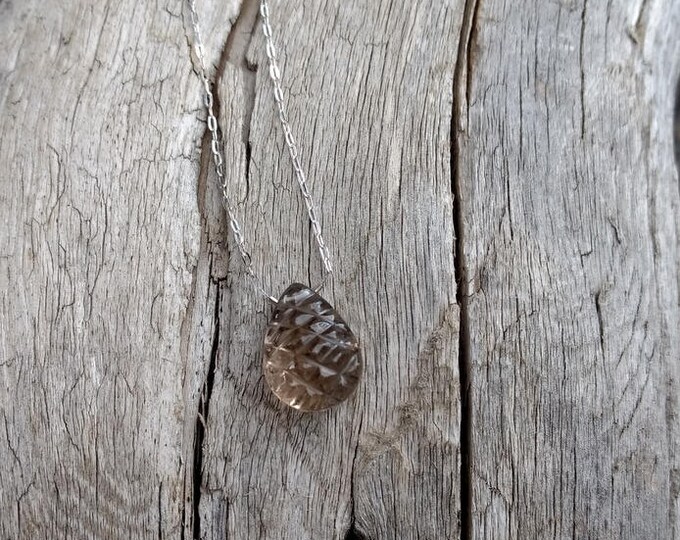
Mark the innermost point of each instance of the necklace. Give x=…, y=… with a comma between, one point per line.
x=311, y=358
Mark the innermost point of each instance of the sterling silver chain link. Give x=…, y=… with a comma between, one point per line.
x=216, y=148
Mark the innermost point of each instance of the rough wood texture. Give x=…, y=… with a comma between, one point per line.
x=569, y=211
x=98, y=251
x=132, y=401
x=370, y=88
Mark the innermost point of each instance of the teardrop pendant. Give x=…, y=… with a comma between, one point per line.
x=312, y=360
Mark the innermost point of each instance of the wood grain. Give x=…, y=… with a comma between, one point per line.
x=522, y=150
x=369, y=86
x=98, y=255
x=570, y=242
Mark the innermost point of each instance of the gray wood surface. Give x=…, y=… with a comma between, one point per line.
x=498, y=189
x=569, y=203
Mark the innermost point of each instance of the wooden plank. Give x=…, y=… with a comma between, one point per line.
x=570, y=244
x=119, y=290
x=132, y=402
x=369, y=88
x=98, y=262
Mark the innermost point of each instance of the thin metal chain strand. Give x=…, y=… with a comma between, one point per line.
x=275, y=75
x=216, y=150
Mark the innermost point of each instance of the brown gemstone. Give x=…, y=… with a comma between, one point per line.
x=311, y=357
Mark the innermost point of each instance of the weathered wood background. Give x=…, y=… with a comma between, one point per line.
x=498, y=188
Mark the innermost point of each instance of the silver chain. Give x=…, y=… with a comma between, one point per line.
x=275, y=75
x=216, y=148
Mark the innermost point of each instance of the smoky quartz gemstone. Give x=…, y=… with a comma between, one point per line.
x=312, y=360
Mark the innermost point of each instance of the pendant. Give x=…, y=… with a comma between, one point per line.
x=312, y=360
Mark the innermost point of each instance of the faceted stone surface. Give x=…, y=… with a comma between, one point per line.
x=311, y=359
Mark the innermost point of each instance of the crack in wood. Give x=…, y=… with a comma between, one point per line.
x=160, y=511
x=462, y=76
x=353, y=532
x=237, y=47
x=201, y=417
x=600, y=321
x=204, y=166
x=470, y=44
x=676, y=128
x=234, y=52
x=581, y=71
x=636, y=32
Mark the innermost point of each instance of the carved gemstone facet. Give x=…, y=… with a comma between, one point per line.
x=312, y=359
